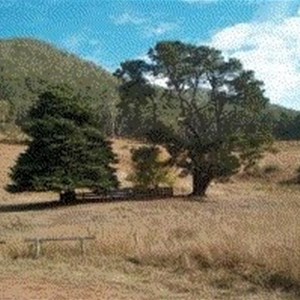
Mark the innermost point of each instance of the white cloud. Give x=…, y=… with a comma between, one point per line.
x=74, y=42
x=159, y=81
x=148, y=26
x=128, y=18
x=160, y=29
x=272, y=50
x=80, y=41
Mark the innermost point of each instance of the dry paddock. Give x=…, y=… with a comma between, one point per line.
x=241, y=242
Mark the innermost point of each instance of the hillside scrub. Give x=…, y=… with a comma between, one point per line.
x=29, y=66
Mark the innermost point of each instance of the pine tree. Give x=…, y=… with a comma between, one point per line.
x=67, y=150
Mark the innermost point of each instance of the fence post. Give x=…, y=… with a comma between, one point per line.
x=37, y=247
x=82, y=250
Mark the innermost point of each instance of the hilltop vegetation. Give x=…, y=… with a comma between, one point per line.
x=286, y=123
x=28, y=67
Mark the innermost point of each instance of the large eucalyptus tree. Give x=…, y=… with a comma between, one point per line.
x=221, y=122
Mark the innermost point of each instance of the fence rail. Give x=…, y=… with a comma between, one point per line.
x=38, y=242
x=126, y=194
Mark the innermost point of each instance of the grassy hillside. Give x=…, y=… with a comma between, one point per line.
x=27, y=66
x=242, y=242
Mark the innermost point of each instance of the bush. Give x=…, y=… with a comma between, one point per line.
x=270, y=169
x=273, y=150
x=265, y=172
x=148, y=170
x=254, y=171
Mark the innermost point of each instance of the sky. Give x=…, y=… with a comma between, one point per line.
x=263, y=34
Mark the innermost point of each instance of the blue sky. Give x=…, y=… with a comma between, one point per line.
x=264, y=34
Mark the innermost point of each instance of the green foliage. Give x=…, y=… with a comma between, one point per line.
x=142, y=103
x=221, y=120
x=67, y=150
x=286, y=125
x=148, y=170
x=28, y=67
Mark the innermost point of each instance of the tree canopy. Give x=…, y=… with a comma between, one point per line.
x=67, y=150
x=221, y=120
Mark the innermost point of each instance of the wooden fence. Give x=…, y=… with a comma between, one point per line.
x=126, y=194
x=38, y=242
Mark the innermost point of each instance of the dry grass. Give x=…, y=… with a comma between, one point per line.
x=241, y=242
x=286, y=159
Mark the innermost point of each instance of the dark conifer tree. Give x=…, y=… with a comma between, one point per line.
x=67, y=150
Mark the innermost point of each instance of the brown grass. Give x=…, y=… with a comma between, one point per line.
x=241, y=242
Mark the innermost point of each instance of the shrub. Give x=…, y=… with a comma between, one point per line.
x=270, y=169
x=148, y=170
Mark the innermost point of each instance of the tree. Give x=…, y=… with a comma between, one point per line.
x=286, y=126
x=138, y=99
x=67, y=150
x=148, y=170
x=221, y=123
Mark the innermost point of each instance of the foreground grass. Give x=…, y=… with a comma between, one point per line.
x=235, y=246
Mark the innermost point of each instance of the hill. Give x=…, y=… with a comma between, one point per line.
x=27, y=66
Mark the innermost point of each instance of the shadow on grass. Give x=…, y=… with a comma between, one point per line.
x=46, y=205
x=292, y=182
x=51, y=205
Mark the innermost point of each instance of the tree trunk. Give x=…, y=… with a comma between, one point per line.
x=201, y=182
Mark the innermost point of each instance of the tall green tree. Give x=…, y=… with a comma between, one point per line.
x=67, y=150
x=138, y=108
x=221, y=123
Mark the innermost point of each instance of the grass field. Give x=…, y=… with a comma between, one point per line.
x=241, y=242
